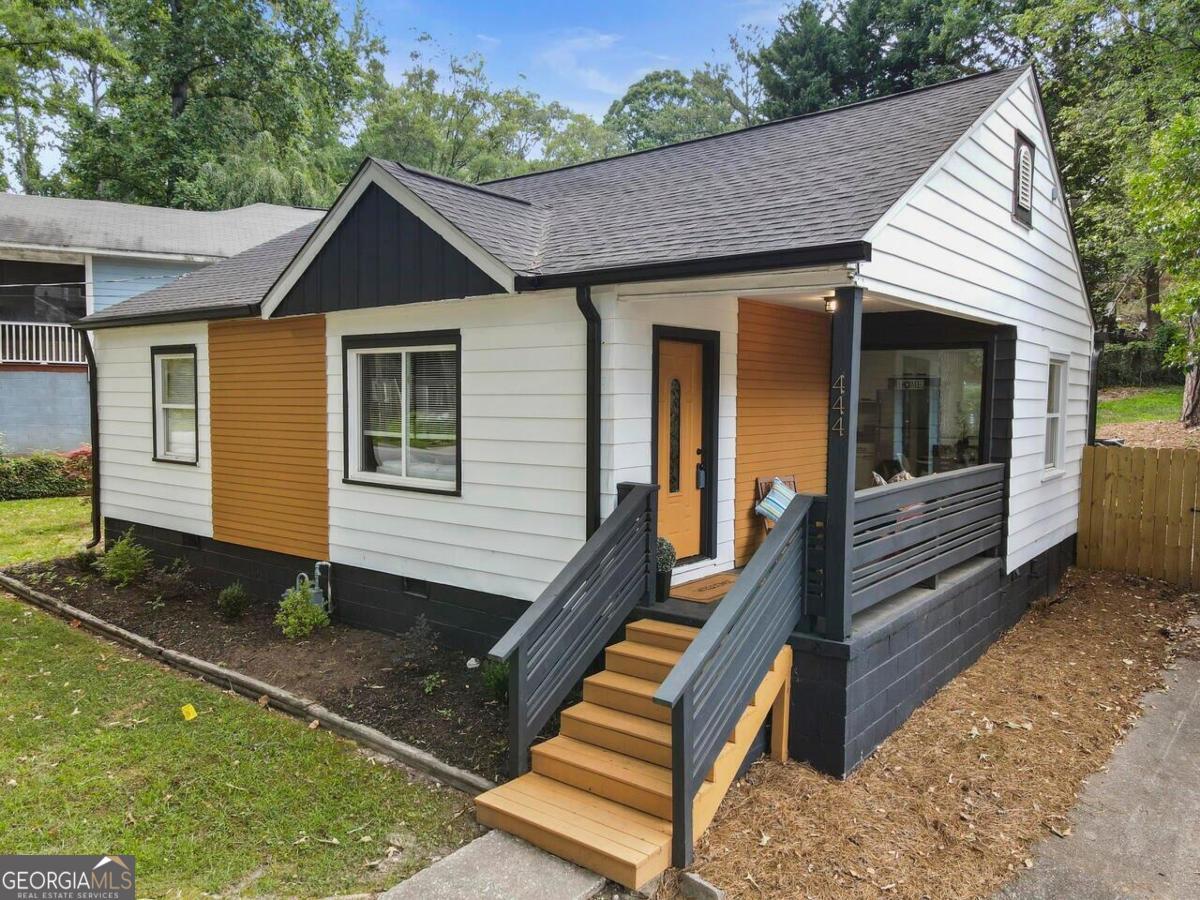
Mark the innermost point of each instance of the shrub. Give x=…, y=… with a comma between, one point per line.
x=233, y=601
x=298, y=616
x=666, y=556
x=125, y=561
x=85, y=560
x=45, y=475
x=171, y=582
x=1138, y=363
x=495, y=679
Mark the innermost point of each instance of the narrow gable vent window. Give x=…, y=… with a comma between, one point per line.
x=1023, y=181
x=402, y=411
x=174, y=373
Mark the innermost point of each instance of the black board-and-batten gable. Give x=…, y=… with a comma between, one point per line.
x=381, y=254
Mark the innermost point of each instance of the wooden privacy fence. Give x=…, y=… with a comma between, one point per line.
x=1137, y=512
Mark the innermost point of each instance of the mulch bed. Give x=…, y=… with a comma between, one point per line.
x=950, y=805
x=407, y=686
x=1153, y=434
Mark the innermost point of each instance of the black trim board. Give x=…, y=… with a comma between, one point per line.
x=710, y=342
x=465, y=619
x=382, y=254
x=583, y=299
x=827, y=254
x=183, y=315
x=401, y=340
x=174, y=350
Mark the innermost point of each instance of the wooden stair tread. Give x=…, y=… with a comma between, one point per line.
x=626, y=684
x=649, y=652
x=662, y=634
x=616, y=720
x=621, y=832
x=632, y=771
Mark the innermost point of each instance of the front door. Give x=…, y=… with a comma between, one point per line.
x=680, y=417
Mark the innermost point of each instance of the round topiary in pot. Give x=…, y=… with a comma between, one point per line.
x=666, y=562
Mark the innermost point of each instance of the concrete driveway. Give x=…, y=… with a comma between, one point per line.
x=1136, y=829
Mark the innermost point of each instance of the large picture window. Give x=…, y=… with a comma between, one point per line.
x=920, y=412
x=174, y=372
x=402, y=412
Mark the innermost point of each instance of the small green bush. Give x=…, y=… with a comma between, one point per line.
x=666, y=556
x=1138, y=363
x=45, y=475
x=298, y=617
x=495, y=679
x=172, y=582
x=233, y=601
x=85, y=560
x=125, y=561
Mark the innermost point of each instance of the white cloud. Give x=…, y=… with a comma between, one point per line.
x=572, y=57
x=487, y=39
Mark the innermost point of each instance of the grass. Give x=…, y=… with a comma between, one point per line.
x=43, y=529
x=96, y=757
x=1160, y=404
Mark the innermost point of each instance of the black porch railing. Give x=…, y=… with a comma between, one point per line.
x=908, y=533
x=551, y=645
x=716, y=677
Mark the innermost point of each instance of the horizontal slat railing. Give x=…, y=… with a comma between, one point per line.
x=551, y=645
x=41, y=343
x=714, y=680
x=907, y=533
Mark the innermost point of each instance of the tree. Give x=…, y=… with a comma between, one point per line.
x=829, y=54
x=666, y=106
x=201, y=83
x=40, y=42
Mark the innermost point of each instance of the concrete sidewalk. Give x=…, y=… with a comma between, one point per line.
x=1136, y=829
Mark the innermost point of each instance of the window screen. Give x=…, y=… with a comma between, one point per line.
x=407, y=401
x=175, y=406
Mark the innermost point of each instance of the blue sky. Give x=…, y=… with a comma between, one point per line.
x=582, y=54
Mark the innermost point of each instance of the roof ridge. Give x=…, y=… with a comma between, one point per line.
x=433, y=176
x=763, y=125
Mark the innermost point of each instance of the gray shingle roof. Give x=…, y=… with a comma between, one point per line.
x=229, y=287
x=808, y=182
x=127, y=228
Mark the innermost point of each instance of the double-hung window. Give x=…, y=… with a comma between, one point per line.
x=1056, y=401
x=174, y=373
x=402, y=411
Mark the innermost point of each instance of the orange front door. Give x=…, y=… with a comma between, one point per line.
x=680, y=428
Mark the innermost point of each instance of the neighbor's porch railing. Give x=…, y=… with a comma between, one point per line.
x=554, y=641
x=41, y=343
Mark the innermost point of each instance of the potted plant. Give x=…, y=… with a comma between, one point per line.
x=666, y=562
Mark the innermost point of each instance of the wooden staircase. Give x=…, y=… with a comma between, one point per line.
x=600, y=791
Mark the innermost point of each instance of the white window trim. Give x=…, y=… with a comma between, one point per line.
x=354, y=420
x=1053, y=468
x=161, y=406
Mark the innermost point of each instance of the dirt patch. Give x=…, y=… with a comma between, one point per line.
x=407, y=686
x=1153, y=434
x=950, y=804
x=1120, y=393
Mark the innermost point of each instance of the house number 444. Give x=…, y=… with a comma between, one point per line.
x=838, y=407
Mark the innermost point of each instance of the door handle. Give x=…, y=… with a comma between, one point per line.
x=701, y=477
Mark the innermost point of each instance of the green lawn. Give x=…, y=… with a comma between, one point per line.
x=95, y=757
x=43, y=529
x=1150, y=405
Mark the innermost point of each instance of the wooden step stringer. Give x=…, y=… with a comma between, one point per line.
x=600, y=792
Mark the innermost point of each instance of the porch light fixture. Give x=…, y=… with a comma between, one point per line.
x=831, y=304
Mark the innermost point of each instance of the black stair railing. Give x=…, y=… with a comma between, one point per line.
x=554, y=641
x=716, y=677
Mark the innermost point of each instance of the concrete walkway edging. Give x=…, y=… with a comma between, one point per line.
x=280, y=698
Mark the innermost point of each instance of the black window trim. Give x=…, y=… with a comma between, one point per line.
x=1020, y=214
x=173, y=350
x=400, y=340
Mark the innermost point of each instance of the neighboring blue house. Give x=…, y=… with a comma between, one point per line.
x=61, y=259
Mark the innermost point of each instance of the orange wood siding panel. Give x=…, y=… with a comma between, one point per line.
x=270, y=434
x=782, y=400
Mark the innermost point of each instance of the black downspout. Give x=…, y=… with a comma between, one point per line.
x=583, y=299
x=1094, y=388
x=94, y=409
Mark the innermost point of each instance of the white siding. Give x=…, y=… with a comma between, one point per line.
x=133, y=485
x=953, y=246
x=521, y=514
x=627, y=364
